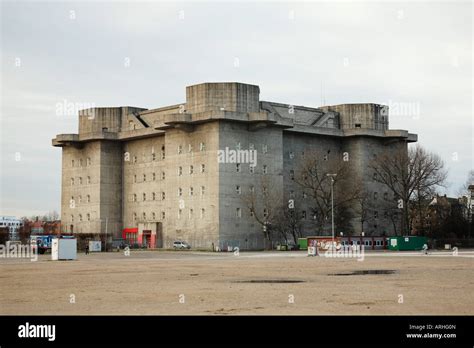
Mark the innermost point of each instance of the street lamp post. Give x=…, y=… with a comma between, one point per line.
x=264, y=227
x=100, y=229
x=106, y=223
x=332, y=176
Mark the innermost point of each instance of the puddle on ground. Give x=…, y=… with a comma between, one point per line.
x=271, y=281
x=365, y=272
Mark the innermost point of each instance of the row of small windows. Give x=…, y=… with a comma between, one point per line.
x=238, y=190
x=304, y=215
x=153, y=155
x=291, y=194
x=202, y=147
x=180, y=150
x=181, y=212
x=80, y=162
x=191, y=191
x=191, y=169
x=79, y=199
x=238, y=214
x=154, y=196
x=238, y=168
x=202, y=214
x=291, y=155
x=153, y=216
x=10, y=224
x=79, y=181
x=80, y=217
x=191, y=214
x=153, y=177
x=202, y=169
x=238, y=146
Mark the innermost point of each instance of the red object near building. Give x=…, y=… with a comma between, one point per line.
x=131, y=235
x=143, y=237
x=322, y=242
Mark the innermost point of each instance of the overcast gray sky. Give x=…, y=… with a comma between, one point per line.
x=396, y=53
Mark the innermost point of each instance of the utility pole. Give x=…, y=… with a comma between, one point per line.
x=106, y=223
x=332, y=176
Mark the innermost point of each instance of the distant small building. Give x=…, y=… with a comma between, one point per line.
x=436, y=211
x=13, y=224
x=40, y=227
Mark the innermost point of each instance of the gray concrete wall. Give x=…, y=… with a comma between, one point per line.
x=369, y=116
x=362, y=150
x=142, y=174
x=111, y=119
x=74, y=196
x=302, y=146
x=232, y=96
x=199, y=231
x=245, y=232
x=110, y=212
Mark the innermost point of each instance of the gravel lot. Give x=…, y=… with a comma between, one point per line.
x=187, y=282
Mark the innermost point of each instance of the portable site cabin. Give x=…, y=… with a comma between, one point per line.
x=63, y=249
x=407, y=243
x=369, y=242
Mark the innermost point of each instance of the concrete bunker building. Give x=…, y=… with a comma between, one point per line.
x=152, y=176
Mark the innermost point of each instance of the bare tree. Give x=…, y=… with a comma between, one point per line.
x=311, y=175
x=4, y=235
x=464, y=189
x=469, y=202
x=367, y=206
x=364, y=208
x=51, y=216
x=395, y=216
x=410, y=175
x=24, y=231
x=288, y=223
x=54, y=215
x=265, y=203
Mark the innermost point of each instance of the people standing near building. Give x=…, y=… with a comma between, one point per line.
x=425, y=249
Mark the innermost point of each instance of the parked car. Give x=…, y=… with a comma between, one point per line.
x=181, y=245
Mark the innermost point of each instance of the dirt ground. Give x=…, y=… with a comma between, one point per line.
x=187, y=282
